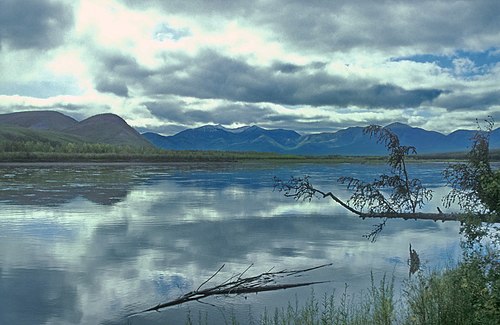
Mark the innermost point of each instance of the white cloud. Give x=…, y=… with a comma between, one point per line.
x=340, y=49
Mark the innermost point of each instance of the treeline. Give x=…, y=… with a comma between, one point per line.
x=70, y=147
x=47, y=151
x=56, y=150
x=494, y=155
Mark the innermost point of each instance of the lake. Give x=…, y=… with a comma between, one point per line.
x=92, y=243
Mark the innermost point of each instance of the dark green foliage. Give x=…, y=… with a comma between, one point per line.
x=405, y=194
x=53, y=151
x=475, y=185
x=466, y=294
x=490, y=191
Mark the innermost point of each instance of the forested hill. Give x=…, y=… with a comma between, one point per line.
x=56, y=128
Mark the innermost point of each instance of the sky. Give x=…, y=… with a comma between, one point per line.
x=311, y=66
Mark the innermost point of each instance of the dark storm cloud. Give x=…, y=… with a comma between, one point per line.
x=211, y=75
x=34, y=24
x=385, y=25
x=114, y=87
x=286, y=67
x=343, y=25
x=198, y=7
x=115, y=64
x=463, y=101
x=114, y=70
x=179, y=112
x=382, y=25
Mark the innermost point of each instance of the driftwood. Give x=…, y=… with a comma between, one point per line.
x=238, y=285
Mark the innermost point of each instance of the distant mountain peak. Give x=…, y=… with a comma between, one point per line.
x=106, y=117
x=210, y=128
x=108, y=128
x=348, y=141
x=398, y=125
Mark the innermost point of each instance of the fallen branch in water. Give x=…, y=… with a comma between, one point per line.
x=238, y=285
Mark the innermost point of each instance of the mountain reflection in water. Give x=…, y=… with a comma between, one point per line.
x=88, y=244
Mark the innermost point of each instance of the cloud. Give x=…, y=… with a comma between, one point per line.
x=34, y=24
x=226, y=113
x=461, y=64
x=198, y=8
x=386, y=26
x=274, y=63
x=114, y=71
x=346, y=25
x=110, y=86
x=74, y=106
x=211, y=75
x=459, y=101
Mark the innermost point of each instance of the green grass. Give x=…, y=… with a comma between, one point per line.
x=467, y=294
x=376, y=306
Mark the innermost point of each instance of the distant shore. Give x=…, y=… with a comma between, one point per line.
x=206, y=156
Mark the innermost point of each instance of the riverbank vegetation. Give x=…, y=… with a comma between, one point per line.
x=467, y=294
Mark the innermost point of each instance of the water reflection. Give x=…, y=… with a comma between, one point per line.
x=89, y=244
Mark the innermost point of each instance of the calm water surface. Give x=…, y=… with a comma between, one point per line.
x=89, y=244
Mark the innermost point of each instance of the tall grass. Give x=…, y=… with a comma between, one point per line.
x=468, y=293
x=376, y=306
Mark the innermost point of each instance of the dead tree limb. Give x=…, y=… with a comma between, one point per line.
x=475, y=186
x=301, y=189
x=239, y=285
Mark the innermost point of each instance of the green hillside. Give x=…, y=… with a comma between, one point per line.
x=38, y=120
x=57, y=128
x=22, y=134
x=110, y=129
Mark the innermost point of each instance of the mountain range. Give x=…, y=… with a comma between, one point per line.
x=349, y=141
x=112, y=129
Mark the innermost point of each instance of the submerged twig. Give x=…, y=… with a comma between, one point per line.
x=259, y=283
x=211, y=277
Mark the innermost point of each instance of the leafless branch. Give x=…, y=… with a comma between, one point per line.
x=260, y=283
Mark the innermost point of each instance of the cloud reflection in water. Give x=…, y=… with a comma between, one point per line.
x=133, y=236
